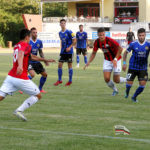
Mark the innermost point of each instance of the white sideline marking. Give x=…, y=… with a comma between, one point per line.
x=77, y=134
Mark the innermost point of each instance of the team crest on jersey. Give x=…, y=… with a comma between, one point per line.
x=65, y=34
x=38, y=45
x=72, y=34
x=147, y=48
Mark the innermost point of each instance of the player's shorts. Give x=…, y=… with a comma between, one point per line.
x=11, y=84
x=66, y=58
x=141, y=74
x=81, y=50
x=108, y=66
x=37, y=67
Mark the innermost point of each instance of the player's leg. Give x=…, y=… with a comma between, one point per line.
x=42, y=81
x=84, y=52
x=107, y=69
x=130, y=78
x=60, y=72
x=31, y=74
x=110, y=83
x=142, y=77
x=70, y=72
x=31, y=71
x=117, y=71
x=31, y=89
x=78, y=53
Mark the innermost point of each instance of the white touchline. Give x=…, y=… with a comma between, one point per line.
x=77, y=134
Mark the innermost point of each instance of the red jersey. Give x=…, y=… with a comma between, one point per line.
x=26, y=48
x=109, y=48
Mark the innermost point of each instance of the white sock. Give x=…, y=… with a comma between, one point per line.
x=123, y=80
x=27, y=103
x=112, y=85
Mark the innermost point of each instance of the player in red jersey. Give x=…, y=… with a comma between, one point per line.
x=112, y=59
x=17, y=78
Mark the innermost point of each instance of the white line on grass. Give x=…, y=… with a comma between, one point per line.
x=77, y=134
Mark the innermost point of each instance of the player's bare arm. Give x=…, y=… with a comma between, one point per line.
x=42, y=56
x=73, y=44
x=117, y=56
x=20, y=62
x=90, y=59
x=36, y=58
x=124, y=67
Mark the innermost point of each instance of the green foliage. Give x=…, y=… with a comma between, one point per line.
x=2, y=44
x=11, y=17
x=54, y=9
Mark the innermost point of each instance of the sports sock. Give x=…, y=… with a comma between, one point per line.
x=139, y=90
x=27, y=103
x=112, y=85
x=70, y=74
x=59, y=74
x=85, y=59
x=42, y=82
x=128, y=87
x=78, y=59
x=29, y=77
x=123, y=80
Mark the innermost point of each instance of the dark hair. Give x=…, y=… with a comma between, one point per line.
x=141, y=30
x=100, y=30
x=80, y=25
x=33, y=28
x=62, y=20
x=24, y=33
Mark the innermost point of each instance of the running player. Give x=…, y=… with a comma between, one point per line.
x=17, y=78
x=138, y=64
x=68, y=40
x=82, y=45
x=36, y=66
x=112, y=61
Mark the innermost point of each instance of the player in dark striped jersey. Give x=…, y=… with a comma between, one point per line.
x=112, y=59
x=138, y=63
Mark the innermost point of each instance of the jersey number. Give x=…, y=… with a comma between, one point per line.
x=15, y=55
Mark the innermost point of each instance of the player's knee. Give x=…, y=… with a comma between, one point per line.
x=117, y=80
x=39, y=96
x=45, y=75
x=1, y=98
x=107, y=80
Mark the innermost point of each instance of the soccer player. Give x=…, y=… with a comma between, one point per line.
x=36, y=66
x=17, y=78
x=68, y=40
x=82, y=45
x=138, y=64
x=112, y=59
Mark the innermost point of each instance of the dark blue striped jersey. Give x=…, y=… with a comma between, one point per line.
x=140, y=53
x=81, y=39
x=66, y=40
x=35, y=48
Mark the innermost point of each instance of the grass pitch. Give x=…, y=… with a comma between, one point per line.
x=80, y=117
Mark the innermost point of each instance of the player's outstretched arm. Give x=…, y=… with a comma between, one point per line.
x=20, y=62
x=36, y=58
x=42, y=56
x=124, y=67
x=90, y=59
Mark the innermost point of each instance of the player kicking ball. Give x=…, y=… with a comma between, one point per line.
x=112, y=59
x=82, y=45
x=17, y=78
x=68, y=40
x=138, y=64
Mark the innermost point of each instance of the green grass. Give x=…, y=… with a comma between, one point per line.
x=86, y=107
